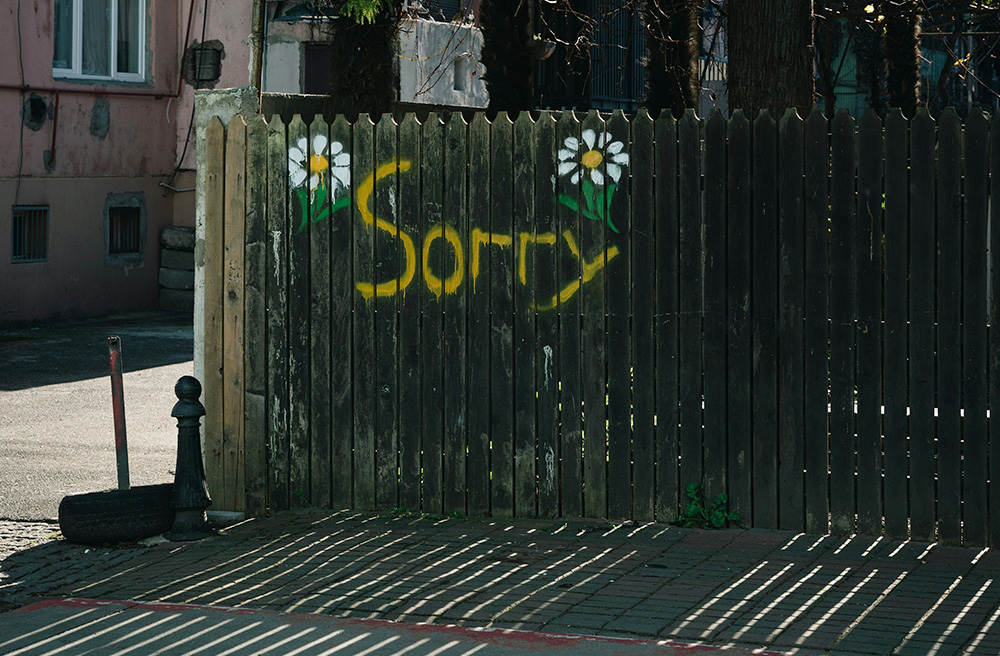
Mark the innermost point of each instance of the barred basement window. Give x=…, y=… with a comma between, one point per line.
x=124, y=230
x=29, y=233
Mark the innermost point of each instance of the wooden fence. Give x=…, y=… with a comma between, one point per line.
x=564, y=317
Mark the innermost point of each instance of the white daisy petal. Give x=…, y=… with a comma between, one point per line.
x=597, y=177
x=298, y=176
x=602, y=139
x=615, y=172
x=566, y=167
x=296, y=155
x=314, y=180
x=565, y=154
x=319, y=144
x=342, y=176
x=336, y=147
x=572, y=143
x=303, y=145
x=615, y=147
x=589, y=137
x=342, y=160
x=620, y=158
x=576, y=178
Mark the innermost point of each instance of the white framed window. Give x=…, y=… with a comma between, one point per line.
x=100, y=40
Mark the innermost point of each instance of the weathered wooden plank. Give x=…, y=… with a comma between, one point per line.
x=299, y=383
x=277, y=316
x=791, y=342
x=213, y=385
x=567, y=304
x=233, y=447
x=619, y=346
x=342, y=296
x=949, y=328
x=453, y=278
x=842, y=447
x=739, y=277
x=868, y=335
x=501, y=286
x=764, y=322
x=363, y=168
x=921, y=354
x=546, y=321
x=714, y=326
x=975, y=240
x=690, y=295
x=993, y=337
x=894, y=387
x=391, y=258
x=815, y=327
x=320, y=419
x=525, y=436
x=595, y=252
x=254, y=331
x=480, y=254
x=643, y=312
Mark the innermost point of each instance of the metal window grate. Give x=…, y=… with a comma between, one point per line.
x=123, y=230
x=29, y=233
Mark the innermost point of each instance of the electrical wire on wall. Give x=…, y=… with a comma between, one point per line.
x=201, y=50
x=20, y=133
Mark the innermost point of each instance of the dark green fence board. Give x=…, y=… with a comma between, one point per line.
x=949, y=335
x=525, y=435
x=738, y=306
x=690, y=295
x=643, y=309
x=432, y=326
x=842, y=313
x=320, y=419
x=568, y=308
x=388, y=265
x=714, y=345
x=975, y=239
x=868, y=335
x=815, y=327
x=277, y=318
x=255, y=358
x=501, y=279
x=362, y=166
x=410, y=400
x=480, y=254
x=454, y=301
x=922, y=256
x=592, y=245
x=546, y=322
x=791, y=291
x=618, y=229
x=993, y=338
x=895, y=329
x=764, y=322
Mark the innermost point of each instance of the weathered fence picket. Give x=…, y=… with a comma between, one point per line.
x=581, y=316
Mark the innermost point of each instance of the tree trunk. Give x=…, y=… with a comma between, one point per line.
x=671, y=54
x=770, y=55
x=363, y=64
x=509, y=53
x=902, y=50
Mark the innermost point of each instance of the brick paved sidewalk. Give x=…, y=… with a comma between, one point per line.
x=800, y=594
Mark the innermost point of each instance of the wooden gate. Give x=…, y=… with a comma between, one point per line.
x=564, y=317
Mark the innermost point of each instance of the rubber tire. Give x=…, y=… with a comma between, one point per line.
x=116, y=515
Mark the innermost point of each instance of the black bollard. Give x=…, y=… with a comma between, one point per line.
x=189, y=498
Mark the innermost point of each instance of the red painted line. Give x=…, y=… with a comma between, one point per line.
x=503, y=637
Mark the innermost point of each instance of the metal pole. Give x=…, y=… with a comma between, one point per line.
x=118, y=402
x=189, y=498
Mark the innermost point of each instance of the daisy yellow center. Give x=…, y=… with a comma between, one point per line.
x=591, y=159
x=318, y=163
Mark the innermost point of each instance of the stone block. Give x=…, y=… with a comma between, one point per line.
x=174, y=279
x=180, y=260
x=179, y=238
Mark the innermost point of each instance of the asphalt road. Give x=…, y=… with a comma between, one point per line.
x=56, y=417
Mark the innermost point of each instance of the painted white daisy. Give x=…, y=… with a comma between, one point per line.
x=600, y=149
x=317, y=165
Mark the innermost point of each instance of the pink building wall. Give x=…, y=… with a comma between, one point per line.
x=111, y=138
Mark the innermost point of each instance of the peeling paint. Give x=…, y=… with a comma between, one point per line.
x=548, y=364
x=550, y=468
